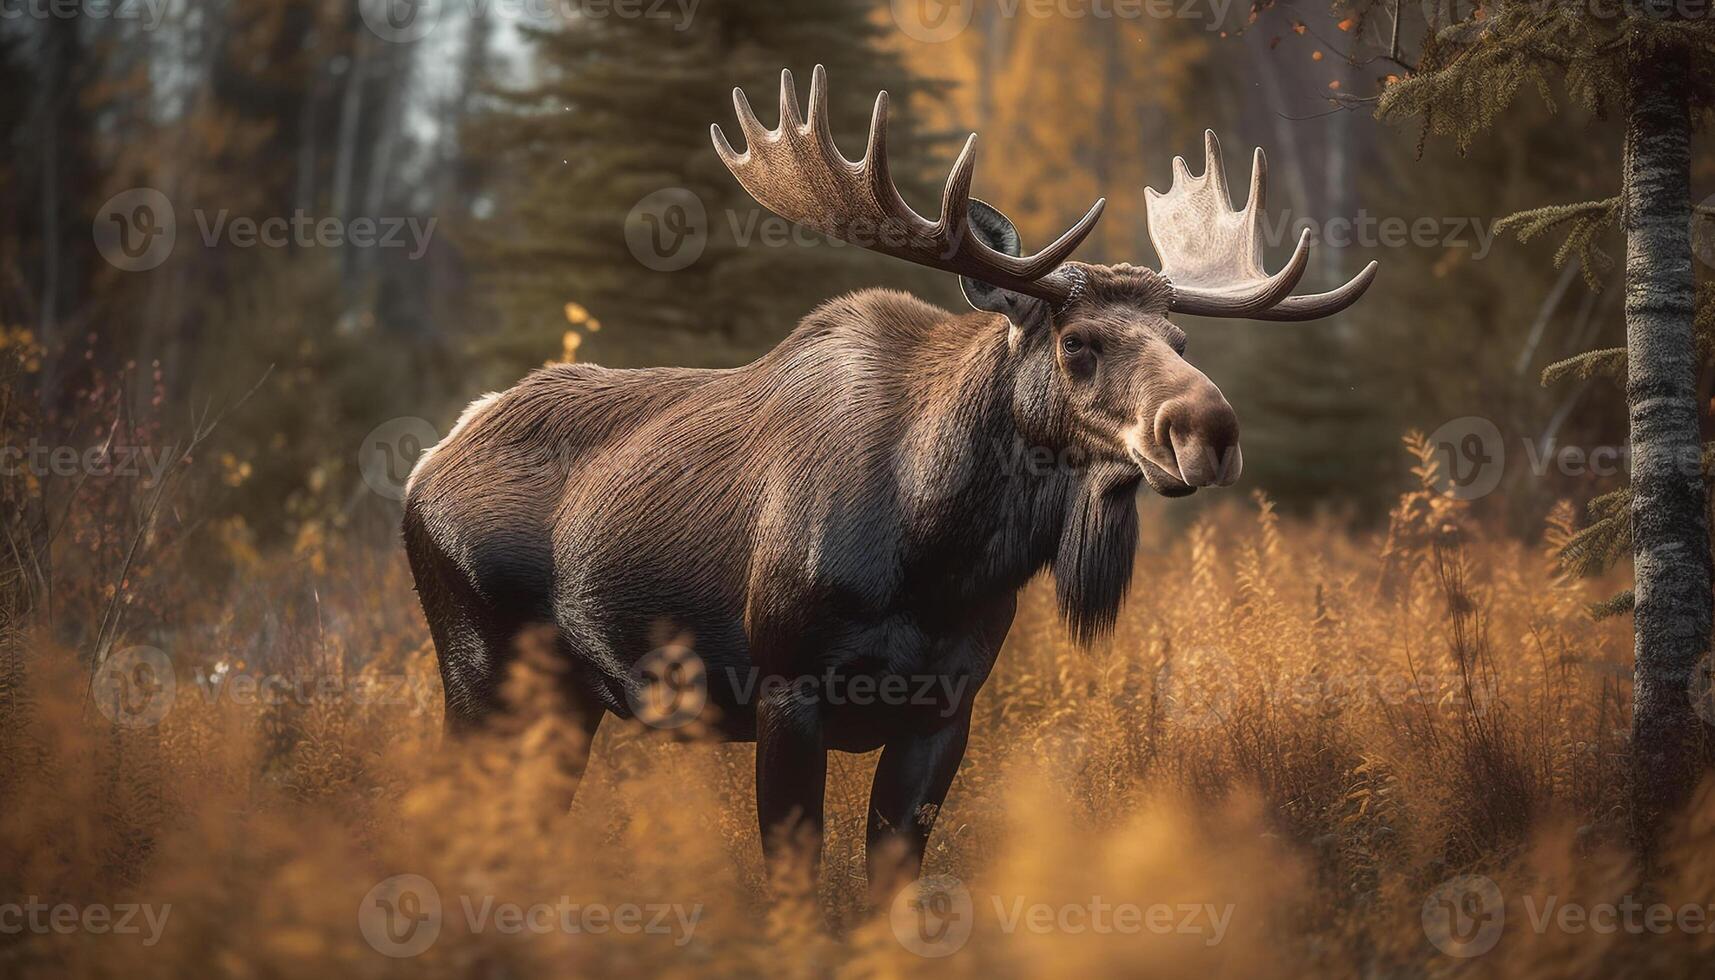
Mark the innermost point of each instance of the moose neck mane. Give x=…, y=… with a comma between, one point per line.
x=1048, y=506
x=976, y=435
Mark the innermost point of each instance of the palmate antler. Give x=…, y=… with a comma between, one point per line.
x=1212, y=254
x=796, y=171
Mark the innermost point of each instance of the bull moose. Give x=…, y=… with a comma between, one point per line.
x=861, y=503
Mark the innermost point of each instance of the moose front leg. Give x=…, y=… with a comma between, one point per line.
x=911, y=781
x=791, y=772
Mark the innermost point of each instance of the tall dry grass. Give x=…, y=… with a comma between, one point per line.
x=1306, y=728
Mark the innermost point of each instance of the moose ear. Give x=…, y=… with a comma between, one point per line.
x=996, y=231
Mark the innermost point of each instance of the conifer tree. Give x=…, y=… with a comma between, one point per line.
x=1656, y=68
x=620, y=111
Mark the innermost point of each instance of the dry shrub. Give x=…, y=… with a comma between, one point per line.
x=1307, y=728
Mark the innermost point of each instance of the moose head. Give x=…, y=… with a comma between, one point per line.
x=1103, y=369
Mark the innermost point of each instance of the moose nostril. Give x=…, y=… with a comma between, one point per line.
x=1171, y=417
x=1203, y=438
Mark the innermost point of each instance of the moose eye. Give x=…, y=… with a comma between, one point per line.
x=1072, y=345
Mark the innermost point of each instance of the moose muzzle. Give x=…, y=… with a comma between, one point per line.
x=1202, y=432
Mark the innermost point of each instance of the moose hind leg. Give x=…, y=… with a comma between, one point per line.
x=470, y=661
x=791, y=774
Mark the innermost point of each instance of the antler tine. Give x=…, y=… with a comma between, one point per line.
x=732, y=158
x=788, y=102
x=875, y=164
x=748, y=124
x=1216, y=173
x=1319, y=305
x=956, y=196
x=1051, y=257
x=1259, y=176
x=818, y=115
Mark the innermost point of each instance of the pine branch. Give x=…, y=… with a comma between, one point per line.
x=1588, y=220
x=1615, y=606
x=1609, y=363
x=1605, y=540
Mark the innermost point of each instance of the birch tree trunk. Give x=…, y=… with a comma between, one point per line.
x=1670, y=530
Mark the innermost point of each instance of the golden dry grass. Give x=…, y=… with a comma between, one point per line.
x=1307, y=729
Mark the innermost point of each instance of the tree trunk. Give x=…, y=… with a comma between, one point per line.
x=1670, y=533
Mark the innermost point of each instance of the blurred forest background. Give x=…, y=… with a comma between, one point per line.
x=529, y=134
